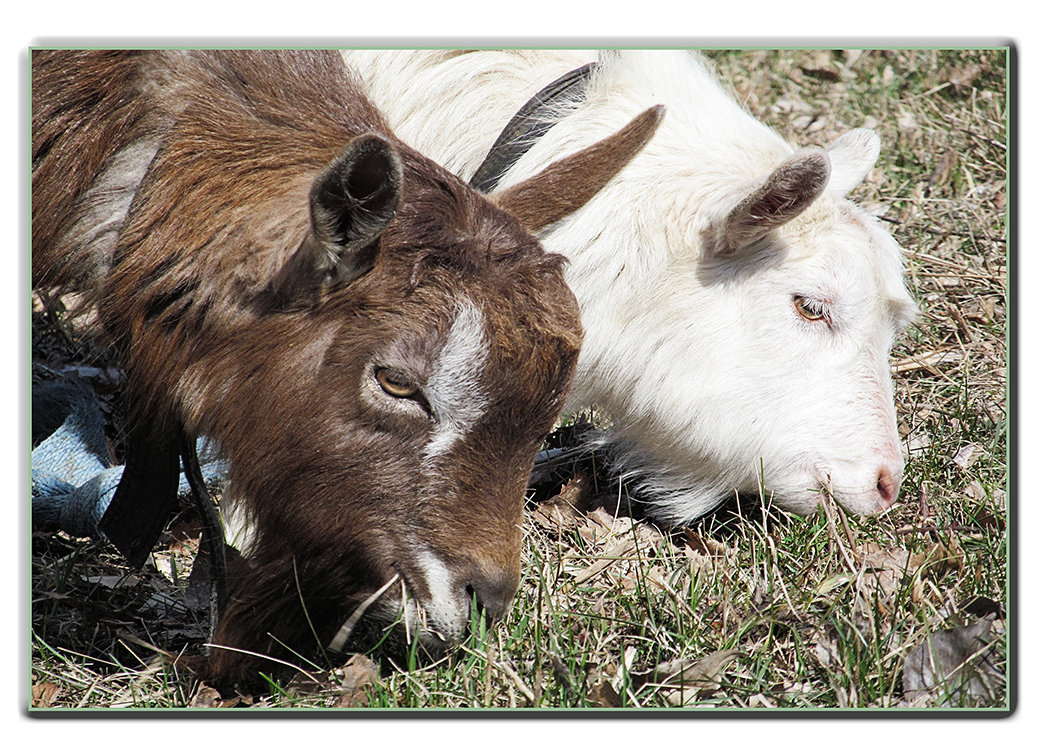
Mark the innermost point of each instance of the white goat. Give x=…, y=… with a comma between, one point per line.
x=738, y=310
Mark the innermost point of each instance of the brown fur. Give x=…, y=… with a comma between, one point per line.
x=193, y=288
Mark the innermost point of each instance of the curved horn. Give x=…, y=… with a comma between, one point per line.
x=567, y=184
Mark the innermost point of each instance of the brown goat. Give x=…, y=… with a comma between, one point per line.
x=377, y=349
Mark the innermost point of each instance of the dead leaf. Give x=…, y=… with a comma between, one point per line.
x=895, y=560
x=830, y=583
x=44, y=694
x=566, y=510
x=962, y=77
x=898, y=562
x=982, y=516
x=942, y=558
x=358, y=674
x=208, y=697
x=826, y=651
x=954, y=667
x=563, y=675
x=113, y=581
x=699, y=676
x=555, y=517
x=600, y=693
x=823, y=73
x=982, y=607
x=205, y=697
x=907, y=122
x=966, y=456
x=619, y=551
x=975, y=491
x=758, y=700
x=944, y=168
x=354, y=699
x=703, y=545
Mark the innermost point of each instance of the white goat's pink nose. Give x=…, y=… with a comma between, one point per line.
x=888, y=486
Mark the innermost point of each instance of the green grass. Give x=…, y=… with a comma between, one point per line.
x=766, y=611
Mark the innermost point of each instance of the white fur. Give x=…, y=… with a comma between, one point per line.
x=454, y=387
x=103, y=209
x=239, y=529
x=447, y=610
x=712, y=379
x=436, y=619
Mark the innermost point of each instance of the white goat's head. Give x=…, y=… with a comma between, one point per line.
x=764, y=343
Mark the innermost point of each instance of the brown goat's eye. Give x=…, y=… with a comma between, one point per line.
x=813, y=311
x=396, y=383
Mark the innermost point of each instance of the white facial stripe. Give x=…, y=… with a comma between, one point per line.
x=445, y=611
x=454, y=388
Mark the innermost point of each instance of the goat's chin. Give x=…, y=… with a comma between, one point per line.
x=401, y=622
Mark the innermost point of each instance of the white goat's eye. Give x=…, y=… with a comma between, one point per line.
x=396, y=383
x=813, y=311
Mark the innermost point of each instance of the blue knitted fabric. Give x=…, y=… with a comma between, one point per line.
x=73, y=480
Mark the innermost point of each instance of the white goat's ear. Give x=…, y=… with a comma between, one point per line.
x=352, y=200
x=852, y=156
x=568, y=183
x=788, y=190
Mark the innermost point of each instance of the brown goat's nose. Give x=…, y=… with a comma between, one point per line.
x=494, y=593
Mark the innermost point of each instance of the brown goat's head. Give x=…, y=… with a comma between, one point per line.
x=441, y=362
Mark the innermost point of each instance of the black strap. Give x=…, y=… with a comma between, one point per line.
x=527, y=126
x=212, y=537
x=147, y=495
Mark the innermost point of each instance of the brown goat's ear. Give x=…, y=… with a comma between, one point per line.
x=352, y=200
x=791, y=188
x=567, y=184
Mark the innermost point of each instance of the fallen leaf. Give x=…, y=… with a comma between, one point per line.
x=954, y=667
x=358, y=674
x=703, y=545
x=830, y=583
x=566, y=510
x=982, y=607
x=208, y=697
x=943, y=168
x=120, y=581
x=758, y=700
x=983, y=517
x=600, y=693
x=898, y=562
x=826, y=651
x=701, y=675
x=966, y=456
x=619, y=551
x=563, y=675
x=962, y=77
x=823, y=73
x=975, y=491
x=45, y=693
x=942, y=558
